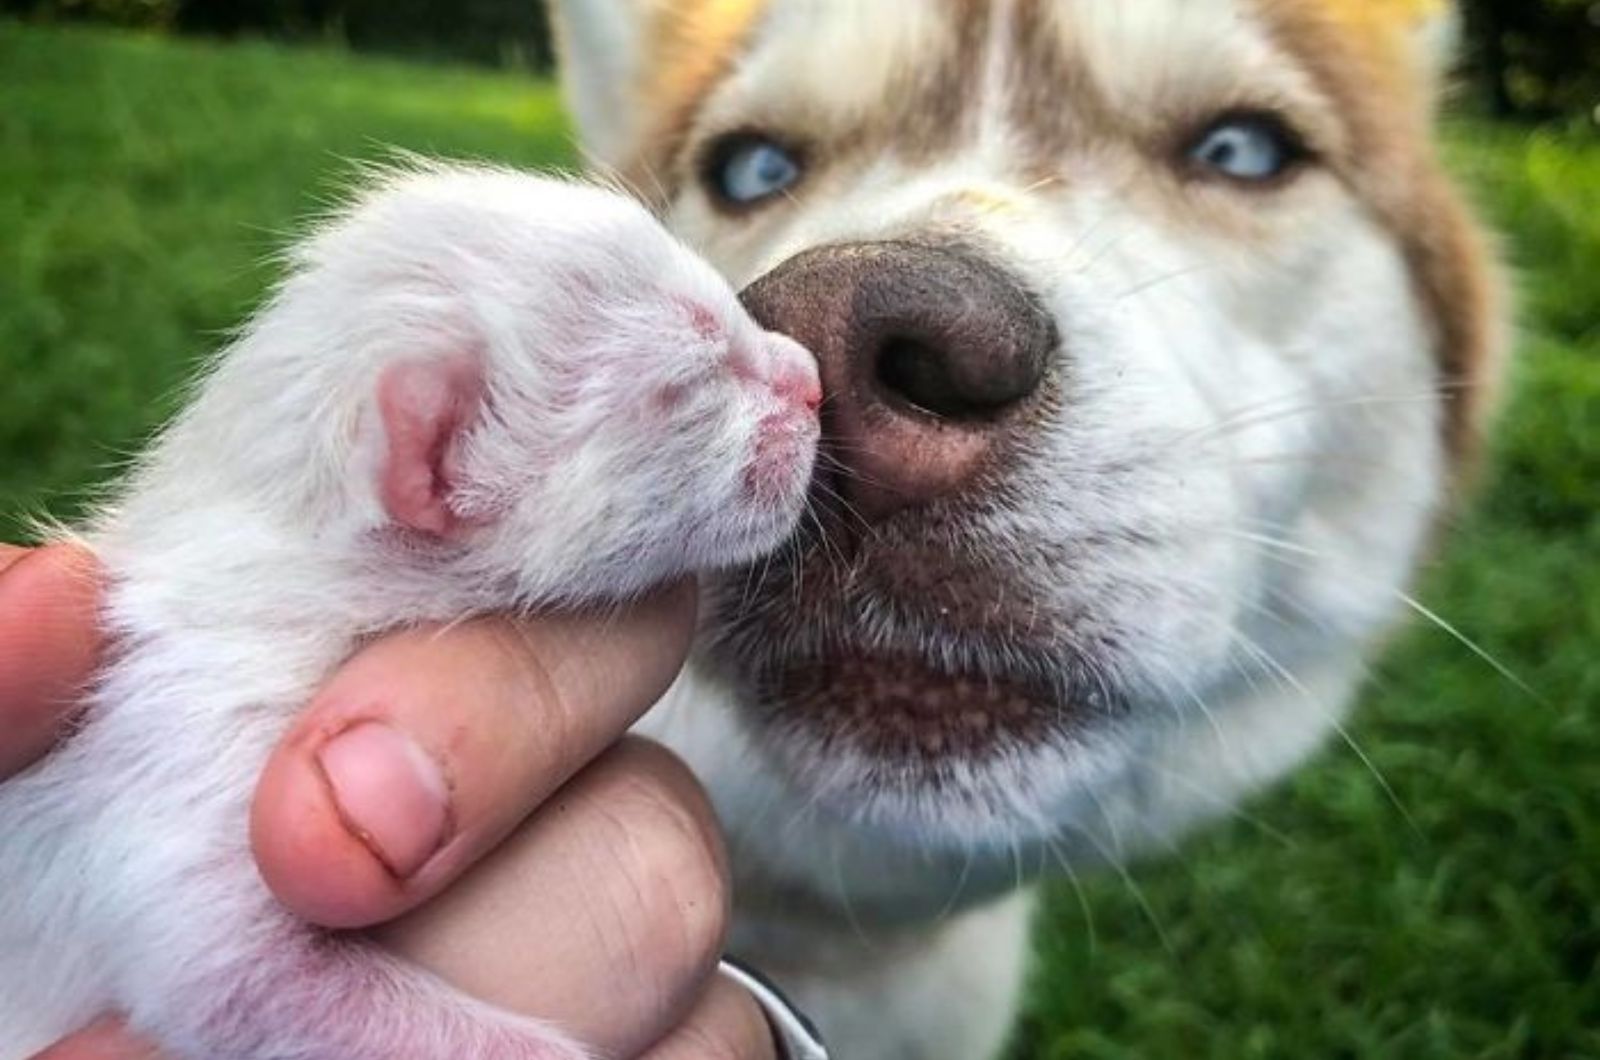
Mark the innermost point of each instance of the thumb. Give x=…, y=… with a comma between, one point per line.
x=106, y=1040
x=49, y=642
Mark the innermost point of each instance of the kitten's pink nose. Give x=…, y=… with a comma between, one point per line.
x=794, y=377
x=800, y=388
x=786, y=437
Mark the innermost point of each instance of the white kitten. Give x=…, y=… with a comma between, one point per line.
x=478, y=390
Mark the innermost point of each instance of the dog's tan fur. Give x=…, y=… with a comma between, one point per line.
x=1364, y=59
x=690, y=47
x=1055, y=135
x=1384, y=82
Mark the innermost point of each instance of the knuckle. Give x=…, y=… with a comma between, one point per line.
x=520, y=659
x=676, y=856
x=9, y=555
x=728, y=1025
x=703, y=1043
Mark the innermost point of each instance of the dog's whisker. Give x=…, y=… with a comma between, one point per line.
x=1225, y=805
x=868, y=531
x=958, y=889
x=1287, y=551
x=1091, y=935
x=1266, y=659
x=1187, y=691
x=1234, y=425
x=1146, y=286
x=845, y=893
x=1141, y=899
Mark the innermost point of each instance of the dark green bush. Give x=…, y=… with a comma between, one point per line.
x=138, y=13
x=492, y=32
x=1537, y=58
x=1534, y=58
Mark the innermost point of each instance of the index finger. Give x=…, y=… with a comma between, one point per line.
x=49, y=642
x=430, y=746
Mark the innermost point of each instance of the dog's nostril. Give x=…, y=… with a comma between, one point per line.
x=930, y=354
x=923, y=377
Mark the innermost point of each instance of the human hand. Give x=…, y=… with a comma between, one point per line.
x=464, y=795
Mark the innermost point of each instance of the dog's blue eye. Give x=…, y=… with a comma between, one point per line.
x=1254, y=148
x=747, y=169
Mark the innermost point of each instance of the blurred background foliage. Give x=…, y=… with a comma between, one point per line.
x=1530, y=59
x=510, y=33
x=1536, y=58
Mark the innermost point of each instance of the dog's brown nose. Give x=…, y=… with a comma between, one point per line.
x=928, y=352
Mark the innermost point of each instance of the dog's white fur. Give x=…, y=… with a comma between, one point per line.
x=612, y=419
x=1235, y=491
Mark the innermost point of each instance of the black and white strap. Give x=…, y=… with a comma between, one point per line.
x=797, y=1039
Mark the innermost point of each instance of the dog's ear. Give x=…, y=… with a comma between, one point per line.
x=630, y=67
x=1434, y=37
x=600, y=44
x=1424, y=35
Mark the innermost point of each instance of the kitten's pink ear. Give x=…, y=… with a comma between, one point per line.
x=426, y=407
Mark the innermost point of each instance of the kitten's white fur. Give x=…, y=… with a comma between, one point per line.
x=610, y=445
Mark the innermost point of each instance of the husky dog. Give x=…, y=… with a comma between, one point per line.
x=1154, y=339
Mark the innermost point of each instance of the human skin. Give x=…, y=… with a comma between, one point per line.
x=575, y=874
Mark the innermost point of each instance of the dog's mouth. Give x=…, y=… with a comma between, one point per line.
x=911, y=659
x=908, y=710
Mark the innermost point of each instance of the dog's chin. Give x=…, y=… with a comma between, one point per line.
x=908, y=713
x=932, y=755
x=902, y=712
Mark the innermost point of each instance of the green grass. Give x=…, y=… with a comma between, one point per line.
x=143, y=187
x=143, y=183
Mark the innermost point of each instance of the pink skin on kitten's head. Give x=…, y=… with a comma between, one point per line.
x=786, y=437
x=770, y=386
x=783, y=377
x=698, y=428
